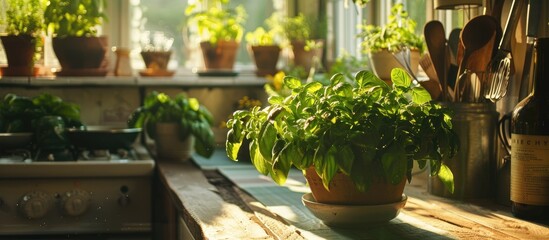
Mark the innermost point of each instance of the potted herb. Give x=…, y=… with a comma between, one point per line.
x=24, y=22
x=265, y=47
x=74, y=26
x=171, y=122
x=220, y=30
x=380, y=41
x=364, y=131
x=307, y=52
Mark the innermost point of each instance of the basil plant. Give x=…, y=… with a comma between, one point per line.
x=365, y=129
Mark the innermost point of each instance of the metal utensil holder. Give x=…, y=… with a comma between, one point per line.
x=474, y=165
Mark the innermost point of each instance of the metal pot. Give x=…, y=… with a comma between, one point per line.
x=15, y=140
x=103, y=137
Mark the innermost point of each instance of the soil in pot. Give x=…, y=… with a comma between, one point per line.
x=265, y=58
x=220, y=56
x=20, y=50
x=84, y=55
x=343, y=191
x=169, y=147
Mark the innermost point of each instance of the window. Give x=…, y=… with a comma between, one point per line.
x=129, y=19
x=170, y=20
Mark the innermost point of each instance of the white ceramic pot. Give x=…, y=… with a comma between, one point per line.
x=168, y=145
x=383, y=62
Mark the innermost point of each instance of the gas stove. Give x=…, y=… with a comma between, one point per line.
x=97, y=193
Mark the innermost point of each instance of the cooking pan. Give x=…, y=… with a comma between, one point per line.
x=14, y=140
x=102, y=137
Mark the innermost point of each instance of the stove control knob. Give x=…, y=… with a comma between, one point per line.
x=75, y=202
x=35, y=204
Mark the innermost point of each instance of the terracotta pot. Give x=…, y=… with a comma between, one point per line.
x=156, y=60
x=383, y=62
x=219, y=56
x=80, y=52
x=20, y=51
x=265, y=58
x=343, y=190
x=305, y=58
x=169, y=147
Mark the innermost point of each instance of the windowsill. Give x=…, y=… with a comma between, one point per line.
x=184, y=78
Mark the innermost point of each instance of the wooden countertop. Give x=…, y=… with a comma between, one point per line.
x=214, y=208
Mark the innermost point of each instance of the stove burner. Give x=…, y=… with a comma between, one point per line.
x=119, y=154
x=15, y=155
x=50, y=155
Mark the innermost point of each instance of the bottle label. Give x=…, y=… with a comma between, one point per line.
x=530, y=169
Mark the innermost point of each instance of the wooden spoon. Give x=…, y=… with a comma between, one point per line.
x=436, y=44
x=478, y=32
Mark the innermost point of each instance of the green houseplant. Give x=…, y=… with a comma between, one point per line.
x=366, y=130
x=38, y=118
x=379, y=41
x=187, y=118
x=74, y=27
x=24, y=21
x=220, y=30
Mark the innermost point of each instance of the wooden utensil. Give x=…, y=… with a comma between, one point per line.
x=475, y=34
x=436, y=44
x=432, y=85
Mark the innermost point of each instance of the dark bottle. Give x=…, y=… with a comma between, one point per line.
x=530, y=144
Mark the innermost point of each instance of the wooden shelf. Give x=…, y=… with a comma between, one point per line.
x=185, y=80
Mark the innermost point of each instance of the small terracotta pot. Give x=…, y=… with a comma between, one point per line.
x=265, y=58
x=343, y=191
x=305, y=58
x=20, y=51
x=220, y=56
x=80, y=52
x=156, y=59
x=169, y=147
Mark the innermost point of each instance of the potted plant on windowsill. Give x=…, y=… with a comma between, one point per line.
x=366, y=131
x=264, y=50
x=380, y=41
x=264, y=44
x=74, y=27
x=220, y=30
x=24, y=21
x=307, y=52
x=175, y=124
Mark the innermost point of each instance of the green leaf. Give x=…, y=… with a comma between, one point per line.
x=232, y=145
x=345, y=159
x=344, y=90
x=394, y=163
x=281, y=164
x=275, y=100
x=337, y=78
x=400, y=77
x=312, y=87
x=445, y=175
x=329, y=168
x=267, y=138
x=194, y=104
x=292, y=82
x=420, y=95
x=257, y=159
x=369, y=79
